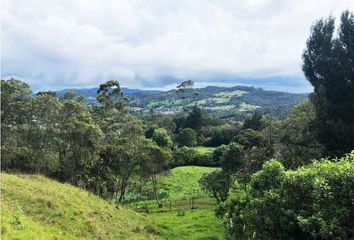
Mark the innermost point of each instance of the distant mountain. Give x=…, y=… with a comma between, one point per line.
x=223, y=102
x=90, y=93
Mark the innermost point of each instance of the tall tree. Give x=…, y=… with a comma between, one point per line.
x=328, y=64
x=16, y=125
x=154, y=161
x=185, y=91
x=194, y=119
x=110, y=95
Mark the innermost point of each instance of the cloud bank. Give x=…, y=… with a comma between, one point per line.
x=156, y=43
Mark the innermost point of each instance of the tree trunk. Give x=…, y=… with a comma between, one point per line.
x=155, y=190
x=123, y=186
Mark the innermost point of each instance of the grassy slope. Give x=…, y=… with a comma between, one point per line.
x=198, y=224
x=194, y=224
x=182, y=182
x=34, y=207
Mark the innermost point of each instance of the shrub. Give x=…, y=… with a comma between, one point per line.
x=187, y=137
x=312, y=202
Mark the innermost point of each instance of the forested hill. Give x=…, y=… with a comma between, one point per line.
x=224, y=102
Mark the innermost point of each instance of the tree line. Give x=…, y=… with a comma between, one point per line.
x=98, y=148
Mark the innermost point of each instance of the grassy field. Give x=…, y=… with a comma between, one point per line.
x=204, y=150
x=236, y=93
x=182, y=182
x=34, y=207
x=198, y=224
x=179, y=216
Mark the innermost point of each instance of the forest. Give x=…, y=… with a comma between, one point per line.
x=258, y=177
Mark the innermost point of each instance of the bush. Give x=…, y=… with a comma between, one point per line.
x=184, y=156
x=161, y=137
x=187, y=137
x=312, y=202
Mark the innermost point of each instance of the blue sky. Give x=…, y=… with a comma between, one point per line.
x=154, y=44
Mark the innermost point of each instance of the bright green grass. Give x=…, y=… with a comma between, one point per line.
x=34, y=207
x=236, y=93
x=204, y=150
x=182, y=182
x=182, y=185
x=192, y=225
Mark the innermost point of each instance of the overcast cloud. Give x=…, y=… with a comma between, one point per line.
x=54, y=44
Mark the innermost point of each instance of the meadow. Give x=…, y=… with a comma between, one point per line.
x=33, y=205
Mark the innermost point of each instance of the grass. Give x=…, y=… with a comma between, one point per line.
x=236, y=93
x=34, y=207
x=204, y=150
x=191, y=224
x=182, y=182
x=181, y=218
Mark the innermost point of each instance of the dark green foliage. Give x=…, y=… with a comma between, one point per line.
x=205, y=160
x=194, y=119
x=232, y=158
x=313, y=202
x=162, y=121
x=329, y=67
x=255, y=122
x=187, y=137
x=249, y=138
x=216, y=183
x=110, y=95
x=296, y=143
x=150, y=131
x=218, y=152
x=185, y=156
x=214, y=136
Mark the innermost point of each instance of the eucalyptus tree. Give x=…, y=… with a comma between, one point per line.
x=154, y=161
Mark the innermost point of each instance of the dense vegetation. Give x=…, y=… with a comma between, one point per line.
x=260, y=174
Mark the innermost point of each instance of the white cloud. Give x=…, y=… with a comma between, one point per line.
x=60, y=43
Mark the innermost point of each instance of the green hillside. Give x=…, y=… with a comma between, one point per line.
x=34, y=207
x=223, y=102
x=182, y=182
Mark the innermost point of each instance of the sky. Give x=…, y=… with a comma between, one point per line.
x=155, y=44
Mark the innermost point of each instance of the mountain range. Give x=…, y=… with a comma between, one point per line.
x=224, y=102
